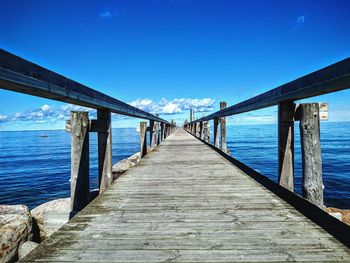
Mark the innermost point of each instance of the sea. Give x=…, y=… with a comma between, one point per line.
x=35, y=165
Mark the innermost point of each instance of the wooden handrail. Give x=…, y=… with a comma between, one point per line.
x=20, y=75
x=333, y=78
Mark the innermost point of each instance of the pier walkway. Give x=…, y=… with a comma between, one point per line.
x=184, y=202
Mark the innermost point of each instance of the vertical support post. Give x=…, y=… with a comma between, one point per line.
x=201, y=130
x=151, y=133
x=159, y=133
x=80, y=163
x=163, y=130
x=143, y=138
x=104, y=139
x=156, y=134
x=206, y=131
x=311, y=153
x=216, y=132
x=223, y=145
x=286, y=111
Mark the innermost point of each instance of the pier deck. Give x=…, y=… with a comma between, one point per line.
x=186, y=203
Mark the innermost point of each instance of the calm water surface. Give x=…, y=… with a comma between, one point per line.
x=35, y=165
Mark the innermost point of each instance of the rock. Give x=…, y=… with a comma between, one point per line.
x=135, y=158
x=58, y=205
x=122, y=166
x=15, y=229
x=345, y=213
x=337, y=215
x=26, y=248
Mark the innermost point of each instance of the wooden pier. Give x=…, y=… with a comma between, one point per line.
x=188, y=200
x=186, y=203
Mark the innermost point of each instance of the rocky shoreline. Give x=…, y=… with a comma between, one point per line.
x=22, y=230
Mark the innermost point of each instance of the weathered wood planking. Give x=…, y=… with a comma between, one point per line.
x=185, y=203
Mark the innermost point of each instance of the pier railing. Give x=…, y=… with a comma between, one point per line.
x=333, y=78
x=19, y=75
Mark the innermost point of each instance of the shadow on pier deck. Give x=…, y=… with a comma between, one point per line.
x=184, y=202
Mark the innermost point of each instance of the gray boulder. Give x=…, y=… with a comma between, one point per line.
x=122, y=166
x=15, y=229
x=58, y=207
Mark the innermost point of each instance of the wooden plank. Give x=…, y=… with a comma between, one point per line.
x=104, y=139
x=80, y=163
x=186, y=203
x=311, y=153
x=286, y=144
x=332, y=78
x=17, y=74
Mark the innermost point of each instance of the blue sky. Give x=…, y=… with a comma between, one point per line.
x=168, y=56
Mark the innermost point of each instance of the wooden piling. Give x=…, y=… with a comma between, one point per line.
x=143, y=139
x=80, y=170
x=216, y=132
x=286, y=112
x=206, y=131
x=156, y=133
x=151, y=133
x=201, y=130
x=104, y=138
x=223, y=145
x=163, y=131
x=311, y=153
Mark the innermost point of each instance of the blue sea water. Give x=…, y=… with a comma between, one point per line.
x=35, y=165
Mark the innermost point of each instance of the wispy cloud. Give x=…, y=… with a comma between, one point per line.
x=105, y=14
x=109, y=12
x=300, y=21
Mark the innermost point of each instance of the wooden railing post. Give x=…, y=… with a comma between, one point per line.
x=201, y=130
x=159, y=133
x=286, y=111
x=80, y=170
x=143, y=138
x=216, y=132
x=223, y=145
x=163, y=130
x=104, y=149
x=156, y=134
x=206, y=131
x=311, y=153
x=151, y=133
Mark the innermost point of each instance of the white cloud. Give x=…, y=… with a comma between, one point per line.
x=51, y=114
x=3, y=118
x=45, y=107
x=174, y=106
x=171, y=108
